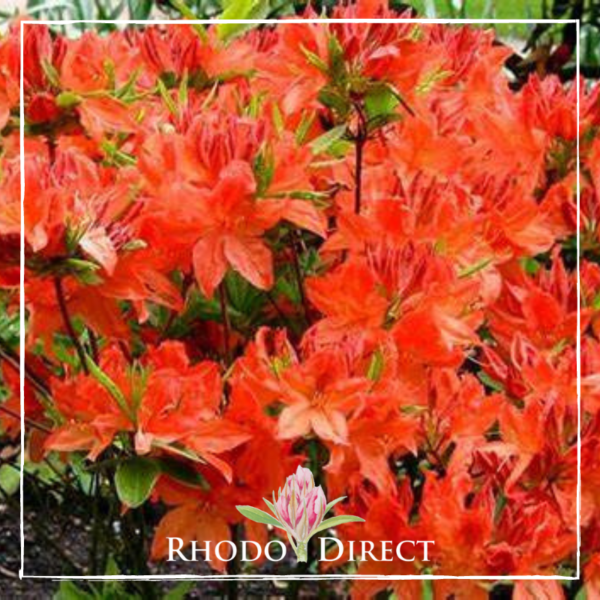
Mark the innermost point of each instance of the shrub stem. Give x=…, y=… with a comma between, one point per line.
x=226, y=323
x=64, y=311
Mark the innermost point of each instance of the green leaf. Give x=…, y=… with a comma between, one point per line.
x=129, y=86
x=79, y=265
x=169, y=102
x=259, y=516
x=182, y=472
x=430, y=9
x=245, y=301
x=325, y=141
x=473, y=269
x=530, y=265
x=140, y=9
x=135, y=479
x=84, y=477
x=83, y=9
x=428, y=82
x=337, y=66
x=380, y=100
x=180, y=591
x=427, y=590
x=264, y=169
x=179, y=451
x=69, y=591
x=68, y=100
x=109, y=385
x=241, y=9
x=183, y=8
x=111, y=589
x=333, y=503
x=381, y=121
x=304, y=126
x=278, y=121
x=315, y=60
x=334, y=100
x=335, y=521
x=112, y=568
x=112, y=14
x=490, y=382
x=50, y=72
x=183, y=89
x=9, y=479
x=375, y=366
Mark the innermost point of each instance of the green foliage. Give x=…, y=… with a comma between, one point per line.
x=114, y=589
x=325, y=142
x=69, y=590
x=9, y=479
x=182, y=472
x=135, y=479
x=9, y=326
x=241, y=9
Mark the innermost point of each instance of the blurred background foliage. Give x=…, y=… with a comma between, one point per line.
x=545, y=47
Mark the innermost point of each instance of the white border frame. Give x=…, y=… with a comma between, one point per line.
x=258, y=577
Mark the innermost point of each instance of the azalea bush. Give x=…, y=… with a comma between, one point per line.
x=349, y=247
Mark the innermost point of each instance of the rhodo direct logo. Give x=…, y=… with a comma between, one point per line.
x=299, y=511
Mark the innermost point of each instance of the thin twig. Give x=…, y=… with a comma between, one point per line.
x=93, y=556
x=277, y=308
x=226, y=323
x=8, y=573
x=234, y=565
x=27, y=420
x=125, y=350
x=12, y=358
x=298, y=274
x=62, y=304
x=361, y=138
x=292, y=325
x=170, y=320
x=93, y=345
x=358, y=175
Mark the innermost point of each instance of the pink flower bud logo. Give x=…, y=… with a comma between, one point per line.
x=299, y=510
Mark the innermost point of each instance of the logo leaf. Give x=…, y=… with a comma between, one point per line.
x=335, y=521
x=333, y=503
x=259, y=516
x=271, y=506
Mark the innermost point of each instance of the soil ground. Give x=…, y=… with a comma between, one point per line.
x=59, y=545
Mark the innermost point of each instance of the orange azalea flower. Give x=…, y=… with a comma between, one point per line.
x=319, y=394
x=227, y=216
x=230, y=223
x=163, y=401
x=351, y=298
x=544, y=307
x=375, y=433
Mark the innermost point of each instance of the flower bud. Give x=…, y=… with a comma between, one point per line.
x=300, y=505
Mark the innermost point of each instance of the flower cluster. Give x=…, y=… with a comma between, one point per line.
x=345, y=245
